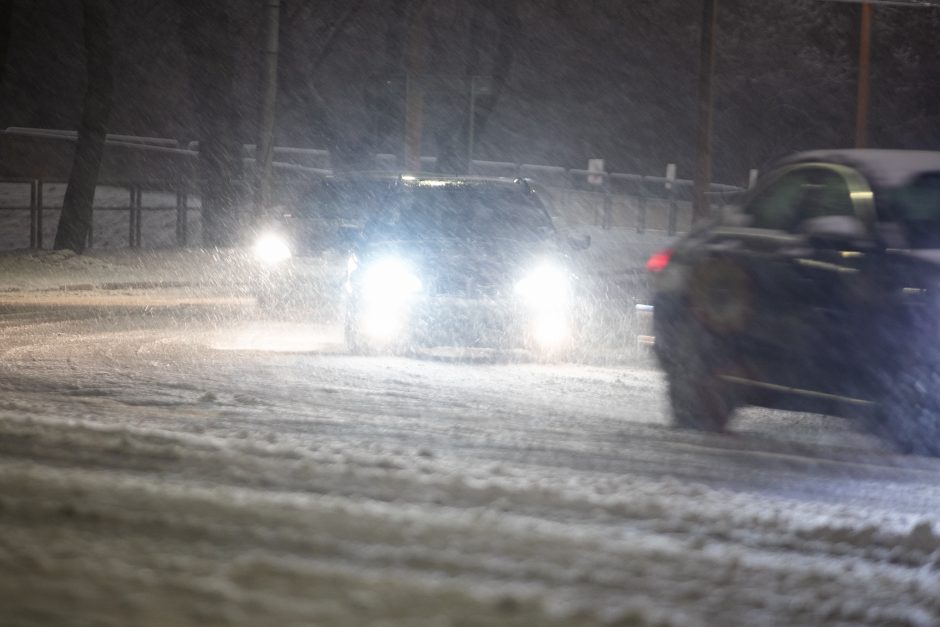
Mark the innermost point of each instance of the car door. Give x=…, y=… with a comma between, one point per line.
x=777, y=279
x=840, y=273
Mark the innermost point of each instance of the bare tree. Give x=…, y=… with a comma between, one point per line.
x=6, y=28
x=211, y=47
x=346, y=151
x=75, y=222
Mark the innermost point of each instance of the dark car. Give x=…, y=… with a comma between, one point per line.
x=821, y=293
x=465, y=262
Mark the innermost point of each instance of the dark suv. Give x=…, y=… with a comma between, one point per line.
x=460, y=262
x=819, y=294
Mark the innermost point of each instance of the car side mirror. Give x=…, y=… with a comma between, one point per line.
x=579, y=243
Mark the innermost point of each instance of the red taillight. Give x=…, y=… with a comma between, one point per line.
x=659, y=261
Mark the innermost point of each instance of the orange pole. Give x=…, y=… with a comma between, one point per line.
x=414, y=90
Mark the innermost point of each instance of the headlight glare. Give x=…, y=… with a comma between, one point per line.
x=550, y=331
x=390, y=282
x=546, y=286
x=272, y=248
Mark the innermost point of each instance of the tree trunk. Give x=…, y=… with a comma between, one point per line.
x=346, y=153
x=75, y=222
x=211, y=50
x=6, y=29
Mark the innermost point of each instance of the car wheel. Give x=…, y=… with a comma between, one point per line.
x=700, y=398
x=908, y=415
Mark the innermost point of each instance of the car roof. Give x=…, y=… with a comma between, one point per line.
x=882, y=168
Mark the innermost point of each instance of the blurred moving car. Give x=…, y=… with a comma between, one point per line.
x=456, y=262
x=820, y=293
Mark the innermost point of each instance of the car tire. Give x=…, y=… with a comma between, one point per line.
x=699, y=398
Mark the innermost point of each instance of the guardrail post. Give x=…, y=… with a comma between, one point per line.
x=32, y=214
x=90, y=239
x=130, y=217
x=182, y=226
x=138, y=222
x=607, y=208
x=641, y=205
x=39, y=208
x=673, y=203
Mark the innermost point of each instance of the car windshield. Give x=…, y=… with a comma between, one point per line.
x=916, y=208
x=351, y=202
x=463, y=211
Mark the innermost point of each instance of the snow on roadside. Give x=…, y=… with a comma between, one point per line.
x=113, y=269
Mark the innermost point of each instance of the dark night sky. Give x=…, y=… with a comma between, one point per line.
x=597, y=78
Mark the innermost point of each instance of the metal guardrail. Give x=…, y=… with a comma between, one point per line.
x=37, y=208
x=305, y=162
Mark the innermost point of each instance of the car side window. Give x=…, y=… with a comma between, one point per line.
x=800, y=195
x=777, y=206
x=825, y=194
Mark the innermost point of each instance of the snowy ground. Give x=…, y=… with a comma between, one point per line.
x=170, y=457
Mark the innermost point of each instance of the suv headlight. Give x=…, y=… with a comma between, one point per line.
x=389, y=282
x=546, y=291
x=271, y=249
x=546, y=287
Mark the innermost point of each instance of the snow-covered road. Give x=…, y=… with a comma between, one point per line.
x=165, y=464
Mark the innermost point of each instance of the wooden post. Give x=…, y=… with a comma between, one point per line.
x=703, y=166
x=264, y=154
x=414, y=90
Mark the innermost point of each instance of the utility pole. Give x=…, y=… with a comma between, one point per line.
x=264, y=150
x=864, y=78
x=703, y=150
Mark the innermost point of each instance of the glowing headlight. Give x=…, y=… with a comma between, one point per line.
x=390, y=282
x=546, y=286
x=271, y=248
x=551, y=331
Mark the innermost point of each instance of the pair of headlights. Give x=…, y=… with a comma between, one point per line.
x=394, y=281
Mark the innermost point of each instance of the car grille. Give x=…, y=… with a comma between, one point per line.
x=467, y=287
